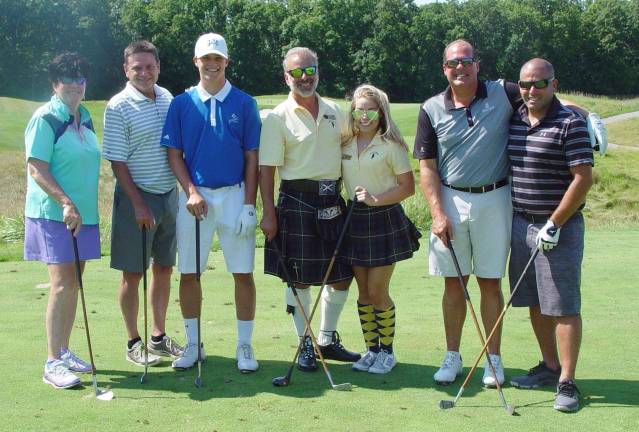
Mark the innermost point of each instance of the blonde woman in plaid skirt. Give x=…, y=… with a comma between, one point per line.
x=376, y=170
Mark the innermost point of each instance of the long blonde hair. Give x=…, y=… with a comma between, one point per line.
x=389, y=130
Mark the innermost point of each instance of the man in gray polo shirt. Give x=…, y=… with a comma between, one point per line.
x=145, y=196
x=461, y=146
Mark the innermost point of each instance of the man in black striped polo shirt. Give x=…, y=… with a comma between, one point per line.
x=551, y=159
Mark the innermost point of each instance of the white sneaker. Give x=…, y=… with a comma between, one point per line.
x=188, y=359
x=365, y=362
x=451, y=368
x=489, y=380
x=58, y=375
x=75, y=363
x=246, y=362
x=136, y=355
x=384, y=363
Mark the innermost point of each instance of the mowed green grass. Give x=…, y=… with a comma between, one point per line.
x=404, y=400
x=625, y=133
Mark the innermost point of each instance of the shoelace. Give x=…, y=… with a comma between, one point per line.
x=537, y=369
x=246, y=351
x=448, y=361
x=72, y=358
x=307, y=350
x=60, y=369
x=567, y=388
x=173, y=346
x=337, y=340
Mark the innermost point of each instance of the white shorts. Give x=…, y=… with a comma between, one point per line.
x=481, y=234
x=224, y=207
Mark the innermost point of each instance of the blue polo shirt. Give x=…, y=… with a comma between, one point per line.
x=213, y=132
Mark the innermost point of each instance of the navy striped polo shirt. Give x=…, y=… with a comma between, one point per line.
x=541, y=157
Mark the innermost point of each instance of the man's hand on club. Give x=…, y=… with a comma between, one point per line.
x=247, y=221
x=196, y=205
x=144, y=216
x=548, y=236
x=442, y=228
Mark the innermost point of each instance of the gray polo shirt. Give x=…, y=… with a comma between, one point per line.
x=469, y=143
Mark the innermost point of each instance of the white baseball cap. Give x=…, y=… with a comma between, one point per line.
x=211, y=43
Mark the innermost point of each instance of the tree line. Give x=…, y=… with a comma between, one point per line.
x=394, y=44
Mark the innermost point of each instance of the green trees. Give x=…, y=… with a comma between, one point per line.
x=390, y=43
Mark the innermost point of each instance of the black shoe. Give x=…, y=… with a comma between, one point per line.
x=336, y=351
x=306, y=360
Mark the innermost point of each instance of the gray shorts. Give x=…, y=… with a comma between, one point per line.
x=126, y=236
x=553, y=280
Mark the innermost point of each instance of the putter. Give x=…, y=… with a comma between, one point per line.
x=198, y=378
x=103, y=395
x=283, y=381
x=446, y=404
x=510, y=409
x=146, y=347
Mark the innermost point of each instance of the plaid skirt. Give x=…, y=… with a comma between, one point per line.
x=305, y=252
x=379, y=236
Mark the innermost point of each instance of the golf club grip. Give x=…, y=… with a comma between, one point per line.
x=197, y=248
x=78, y=269
x=458, y=269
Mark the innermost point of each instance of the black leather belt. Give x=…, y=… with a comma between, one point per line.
x=536, y=219
x=320, y=187
x=480, y=189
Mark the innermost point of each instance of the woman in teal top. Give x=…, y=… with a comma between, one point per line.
x=63, y=164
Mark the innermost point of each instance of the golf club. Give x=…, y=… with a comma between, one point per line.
x=446, y=404
x=283, y=381
x=198, y=378
x=510, y=409
x=103, y=395
x=146, y=347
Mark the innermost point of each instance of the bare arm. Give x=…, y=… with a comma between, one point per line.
x=250, y=176
x=575, y=195
x=39, y=171
x=430, y=182
x=405, y=188
x=143, y=214
x=267, y=192
x=195, y=204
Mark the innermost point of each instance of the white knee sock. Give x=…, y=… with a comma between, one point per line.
x=305, y=298
x=244, y=332
x=332, y=304
x=190, y=331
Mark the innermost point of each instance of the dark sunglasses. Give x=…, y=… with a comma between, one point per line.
x=73, y=80
x=539, y=84
x=298, y=72
x=453, y=63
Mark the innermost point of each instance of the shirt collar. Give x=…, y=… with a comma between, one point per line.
x=61, y=110
x=481, y=93
x=219, y=96
x=137, y=95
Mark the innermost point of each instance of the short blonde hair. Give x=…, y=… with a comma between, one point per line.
x=389, y=130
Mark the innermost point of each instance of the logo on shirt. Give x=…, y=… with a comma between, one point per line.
x=166, y=137
x=331, y=118
x=234, y=119
x=373, y=154
x=346, y=157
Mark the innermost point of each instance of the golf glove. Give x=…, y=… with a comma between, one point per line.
x=247, y=221
x=598, y=133
x=548, y=236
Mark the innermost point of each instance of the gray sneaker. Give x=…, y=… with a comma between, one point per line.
x=539, y=376
x=136, y=355
x=567, y=397
x=57, y=374
x=167, y=347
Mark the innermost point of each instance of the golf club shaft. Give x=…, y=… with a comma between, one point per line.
x=144, y=289
x=342, y=234
x=198, y=379
x=475, y=321
x=498, y=322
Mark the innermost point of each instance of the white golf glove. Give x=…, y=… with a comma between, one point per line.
x=247, y=221
x=598, y=133
x=548, y=236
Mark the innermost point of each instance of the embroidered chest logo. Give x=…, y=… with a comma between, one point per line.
x=331, y=118
x=234, y=119
x=374, y=154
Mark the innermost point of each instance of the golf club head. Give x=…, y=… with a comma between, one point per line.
x=104, y=395
x=281, y=381
x=143, y=378
x=198, y=382
x=510, y=409
x=446, y=404
x=343, y=387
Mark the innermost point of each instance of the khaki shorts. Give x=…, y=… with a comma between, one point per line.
x=126, y=236
x=481, y=234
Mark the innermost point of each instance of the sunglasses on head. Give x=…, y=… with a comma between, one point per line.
x=298, y=72
x=73, y=80
x=453, y=63
x=371, y=114
x=539, y=84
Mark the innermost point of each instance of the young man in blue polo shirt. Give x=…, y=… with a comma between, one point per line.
x=212, y=131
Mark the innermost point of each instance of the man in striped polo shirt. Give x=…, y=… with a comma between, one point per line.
x=551, y=159
x=145, y=196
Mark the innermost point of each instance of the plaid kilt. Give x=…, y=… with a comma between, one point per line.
x=379, y=236
x=306, y=254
